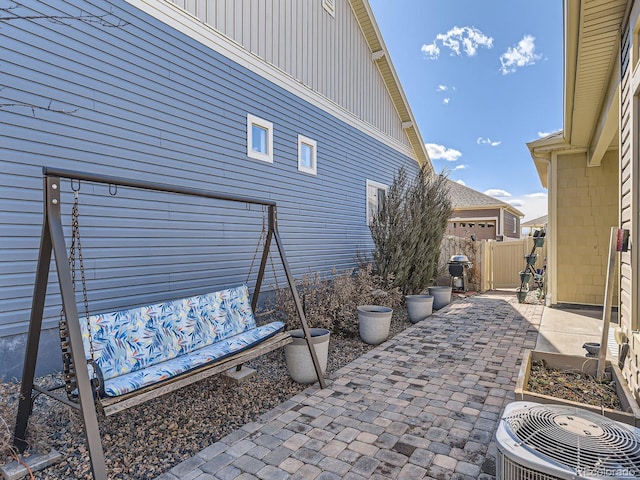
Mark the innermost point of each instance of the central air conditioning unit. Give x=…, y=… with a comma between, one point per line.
x=557, y=442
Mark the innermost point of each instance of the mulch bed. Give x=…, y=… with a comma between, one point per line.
x=574, y=386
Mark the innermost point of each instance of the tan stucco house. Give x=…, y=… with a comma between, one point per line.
x=591, y=167
x=484, y=217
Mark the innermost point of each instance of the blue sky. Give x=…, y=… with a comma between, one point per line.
x=483, y=78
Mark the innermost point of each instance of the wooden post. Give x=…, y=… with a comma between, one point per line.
x=608, y=300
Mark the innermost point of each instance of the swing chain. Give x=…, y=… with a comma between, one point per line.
x=75, y=251
x=261, y=239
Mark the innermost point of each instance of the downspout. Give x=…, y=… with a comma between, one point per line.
x=550, y=283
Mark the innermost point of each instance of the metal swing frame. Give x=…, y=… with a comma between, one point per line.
x=52, y=240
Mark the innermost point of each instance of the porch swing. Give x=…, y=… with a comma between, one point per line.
x=99, y=382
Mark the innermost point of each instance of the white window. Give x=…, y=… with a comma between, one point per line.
x=259, y=139
x=376, y=194
x=307, y=154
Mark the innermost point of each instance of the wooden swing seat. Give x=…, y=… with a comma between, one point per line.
x=144, y=352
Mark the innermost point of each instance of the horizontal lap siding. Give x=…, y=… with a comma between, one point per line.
x=626, y=180
x=628, y=208
x=328, y=54
x=511, y=225
x=145, y=102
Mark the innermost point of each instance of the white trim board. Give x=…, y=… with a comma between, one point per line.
x=189, y=25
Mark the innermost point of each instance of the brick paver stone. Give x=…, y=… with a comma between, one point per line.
x=424, y=404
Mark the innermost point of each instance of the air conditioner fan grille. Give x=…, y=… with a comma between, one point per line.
x=578, y=439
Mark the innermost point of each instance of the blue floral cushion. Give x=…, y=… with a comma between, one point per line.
x=155, y=373
x=131, y=340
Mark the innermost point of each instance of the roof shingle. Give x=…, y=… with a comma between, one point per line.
x=465, y=197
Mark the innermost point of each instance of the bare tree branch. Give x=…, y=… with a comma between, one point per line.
x=33, y=108
x=109, y=20
x=11, y=13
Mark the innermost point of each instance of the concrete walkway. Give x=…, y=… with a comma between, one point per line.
x=565, y=330
x=424, y=404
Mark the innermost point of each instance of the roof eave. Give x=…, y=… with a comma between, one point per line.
x=380, y=55
x=571, y=12
x=541, y=151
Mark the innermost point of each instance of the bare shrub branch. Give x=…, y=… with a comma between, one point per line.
x=331, y=302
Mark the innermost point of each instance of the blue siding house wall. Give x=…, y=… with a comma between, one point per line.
x=141, y=100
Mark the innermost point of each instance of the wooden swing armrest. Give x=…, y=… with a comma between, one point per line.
x=113, y=405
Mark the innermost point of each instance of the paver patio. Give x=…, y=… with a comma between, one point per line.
x=424, y=404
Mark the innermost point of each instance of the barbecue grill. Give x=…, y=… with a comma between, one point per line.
x=459, y=265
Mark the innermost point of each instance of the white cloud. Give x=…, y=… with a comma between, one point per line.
x=487, y=141
x=459, y=167
x=458, y=39
x=432, y=50
x=533, y=205
x=446, y=101
x=461, y=182
x=496, y=192
x=521, y=55
x=440, y=152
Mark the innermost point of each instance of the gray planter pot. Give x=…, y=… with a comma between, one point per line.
x=521, y=293
x=298, y=358
x=419, y=307
x=373, y=323
x=441, y=296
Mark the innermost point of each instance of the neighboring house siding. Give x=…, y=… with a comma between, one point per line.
x=302, y=39
x=511, y=225
x=143, y=101
x=584, y=226
x=460, y=217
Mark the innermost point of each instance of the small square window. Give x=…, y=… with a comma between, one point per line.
x=259, y=139
x=307, y=155
x=376, y=195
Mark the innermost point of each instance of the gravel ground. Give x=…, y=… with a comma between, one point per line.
x=145, y=441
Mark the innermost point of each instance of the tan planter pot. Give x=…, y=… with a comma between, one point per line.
x=630, y=416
